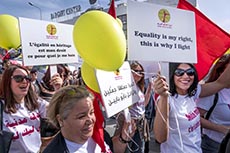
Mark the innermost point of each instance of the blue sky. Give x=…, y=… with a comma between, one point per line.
x=217, y=10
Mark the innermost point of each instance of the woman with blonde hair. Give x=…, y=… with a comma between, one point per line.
x=71, y=109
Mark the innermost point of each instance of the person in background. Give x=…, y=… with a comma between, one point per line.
x=77, y=78
x=22, y=110
x=71, y=109
x=149, y=114
x=218, y=125
x=34, y=79
x=137, y=111
x=177, y=120
x=33, y=76
x=48, y=86
x=5, y=64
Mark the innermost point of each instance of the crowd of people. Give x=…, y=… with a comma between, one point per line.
x=179, y=123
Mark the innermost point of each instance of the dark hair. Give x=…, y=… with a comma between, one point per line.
x=192, y=88
x=141, y=83
x=7, y=94
x=60, y=68
x=33, y=70
x=219, y=67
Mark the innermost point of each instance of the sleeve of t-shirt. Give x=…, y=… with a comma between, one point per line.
x=205, y=102
x=42, y=107
x=198, y=91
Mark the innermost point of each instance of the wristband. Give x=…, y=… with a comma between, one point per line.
x=123, y=140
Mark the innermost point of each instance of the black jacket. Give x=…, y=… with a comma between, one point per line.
x=58, y=145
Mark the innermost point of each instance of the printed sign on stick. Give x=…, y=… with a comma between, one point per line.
x=46, y=43
x=118, y=89
x=160, y=33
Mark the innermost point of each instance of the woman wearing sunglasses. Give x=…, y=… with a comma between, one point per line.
x=22, y=110
x=177, y=120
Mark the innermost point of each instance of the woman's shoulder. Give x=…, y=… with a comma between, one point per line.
x=198, y=91
x=42, y=101
x=57, y=145
x=43, y=104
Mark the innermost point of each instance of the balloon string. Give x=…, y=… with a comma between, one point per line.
x=175, y=115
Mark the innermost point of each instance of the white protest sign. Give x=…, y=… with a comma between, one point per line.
x=118, y=89
x=160, y=33
x=46, y=43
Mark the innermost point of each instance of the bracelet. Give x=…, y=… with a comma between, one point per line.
x=123, y=140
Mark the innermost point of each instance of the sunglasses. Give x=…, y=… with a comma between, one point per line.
x=138, y=71
x=180, y=72
x=20, y=78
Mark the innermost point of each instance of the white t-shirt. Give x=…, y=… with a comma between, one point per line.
x=89, y=146
x=220, y=114
x=138, y=109
x=184, y=122
x=26, y=128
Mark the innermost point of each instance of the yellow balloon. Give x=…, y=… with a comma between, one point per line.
x=9, y=32
x=99, y=40
x=89, y=77
x=119, y=22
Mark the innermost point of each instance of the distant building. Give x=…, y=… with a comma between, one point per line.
x=120, y=11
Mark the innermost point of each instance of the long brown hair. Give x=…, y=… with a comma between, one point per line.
x=7, y=95
x=219, y=67
x=192, y=89
x=141, y=83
